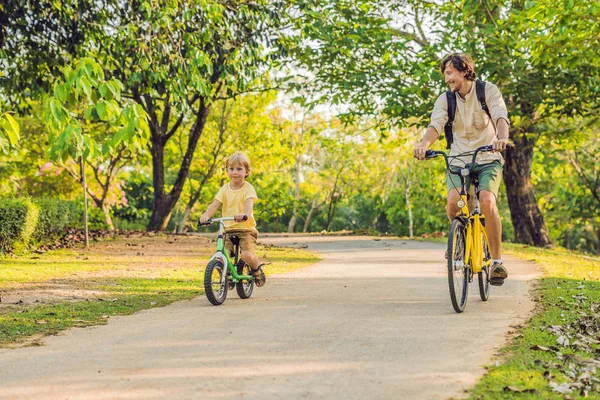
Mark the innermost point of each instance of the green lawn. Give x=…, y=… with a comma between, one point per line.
x=556, y=355
x=43, y=294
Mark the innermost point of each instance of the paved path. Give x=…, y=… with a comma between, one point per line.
x=372, y=320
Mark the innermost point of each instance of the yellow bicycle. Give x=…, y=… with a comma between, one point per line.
x=468, y=249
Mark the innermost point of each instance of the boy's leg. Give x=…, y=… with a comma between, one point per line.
x=247, y=245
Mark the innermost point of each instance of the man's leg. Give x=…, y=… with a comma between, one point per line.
x=493, y=228
x=452, y=206
x=493, y=224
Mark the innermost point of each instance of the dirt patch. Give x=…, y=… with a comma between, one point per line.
x=49, y=294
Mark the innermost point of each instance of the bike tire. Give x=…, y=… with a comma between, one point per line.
x=484, y=276
x=216, y=293
x=244, y=288
x=458, y=271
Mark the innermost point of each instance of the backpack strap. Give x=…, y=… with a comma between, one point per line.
x=480, y=90
x=451, y=97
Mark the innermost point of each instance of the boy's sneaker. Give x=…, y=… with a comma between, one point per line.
x=497, y=274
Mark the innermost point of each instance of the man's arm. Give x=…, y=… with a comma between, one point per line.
x=431, y=135
x=499, y=144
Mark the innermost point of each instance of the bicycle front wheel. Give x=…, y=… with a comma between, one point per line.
x=215, y=287
x=484, y=276
x=458, y=271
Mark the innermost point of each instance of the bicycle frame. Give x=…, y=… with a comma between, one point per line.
x=221, y=253
x=475, y=231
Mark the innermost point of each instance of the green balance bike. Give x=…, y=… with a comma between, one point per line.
x=224, y=273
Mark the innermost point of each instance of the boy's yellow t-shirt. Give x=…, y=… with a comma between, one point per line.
x=233, y=202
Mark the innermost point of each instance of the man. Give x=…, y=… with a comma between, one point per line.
x=473, y=128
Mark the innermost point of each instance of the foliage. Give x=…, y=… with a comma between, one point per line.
x=569, y=180
x=26, y=223
x=355, y=55
x=9, y=132
x=138, y=198
x=85, y=98
x=18, y=221
x=53, y=217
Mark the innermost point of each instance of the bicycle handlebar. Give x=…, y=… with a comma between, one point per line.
x=213, y=220
x=429, y=154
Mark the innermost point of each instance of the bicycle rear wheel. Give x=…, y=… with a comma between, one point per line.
x=484, y=276
x=216, y=291
x=244, y=287
x=458, y=271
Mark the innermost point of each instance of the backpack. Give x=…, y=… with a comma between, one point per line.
x=451, y=97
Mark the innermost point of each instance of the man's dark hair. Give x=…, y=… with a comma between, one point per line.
x=462, y=62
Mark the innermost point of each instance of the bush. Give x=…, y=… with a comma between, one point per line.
x=18, y=220
x=27, y=223
x=54, y=217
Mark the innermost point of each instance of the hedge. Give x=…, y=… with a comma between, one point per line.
x=25, y=222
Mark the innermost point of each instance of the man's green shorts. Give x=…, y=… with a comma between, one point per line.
x=490, y=177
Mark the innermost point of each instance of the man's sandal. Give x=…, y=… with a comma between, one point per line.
x=259, y=276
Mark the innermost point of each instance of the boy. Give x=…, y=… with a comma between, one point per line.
x=237, y=198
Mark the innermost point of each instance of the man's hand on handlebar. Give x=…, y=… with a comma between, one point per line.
x=499, y=145
x=419, y=152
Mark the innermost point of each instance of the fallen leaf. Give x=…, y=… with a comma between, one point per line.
x=538, y=347
x=563, y=388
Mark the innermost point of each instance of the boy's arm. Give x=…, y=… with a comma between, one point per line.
x=248, y=206
x=210, y=211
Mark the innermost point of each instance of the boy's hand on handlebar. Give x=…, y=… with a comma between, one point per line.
x=203, y=220
x=240, y=217
x=419, y=152
x=499, y=145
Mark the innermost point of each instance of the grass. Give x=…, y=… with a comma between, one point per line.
x=45, y=294
x=556, y=355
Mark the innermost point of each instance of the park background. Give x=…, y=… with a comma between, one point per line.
x=327, y=98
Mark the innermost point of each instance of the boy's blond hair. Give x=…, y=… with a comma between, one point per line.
x=241, y=159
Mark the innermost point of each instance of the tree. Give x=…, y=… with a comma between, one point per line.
x=174, y=59
x=83, y=104
x=177, y=59
x=386, y=66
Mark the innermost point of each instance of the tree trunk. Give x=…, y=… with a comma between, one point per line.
x=107, y=218
x=313, y=209
x=164, y=203
x=86, y=236
x=331, y=213
x=408, y=205
x=188, y=211
x=527, y=219
x=292, y=223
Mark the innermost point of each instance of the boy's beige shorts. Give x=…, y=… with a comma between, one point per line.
x=248, y=240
